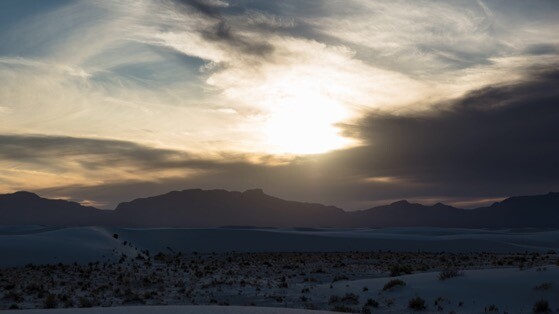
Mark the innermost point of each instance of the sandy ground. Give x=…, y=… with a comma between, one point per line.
x=35, y=244
x=476, y=291
x=100, y=270
x=345, y=281
x=184, y=309
x=508, y=290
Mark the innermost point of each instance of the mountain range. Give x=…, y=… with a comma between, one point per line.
x=216, y=208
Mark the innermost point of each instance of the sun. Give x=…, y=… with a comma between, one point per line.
x=305, y=123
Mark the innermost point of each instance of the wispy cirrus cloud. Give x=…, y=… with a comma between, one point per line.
x=204, y=92
x=175, y=67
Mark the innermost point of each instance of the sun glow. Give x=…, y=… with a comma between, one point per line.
x=305, y=123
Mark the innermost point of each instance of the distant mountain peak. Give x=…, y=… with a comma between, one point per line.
x=25, y=194
x=212, y=208
x=402, y=202
x=550, y=200
x=24, y=207
x=254, y=191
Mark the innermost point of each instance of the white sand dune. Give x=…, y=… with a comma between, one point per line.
x=39, y=245
x=511, y=290
x=53, y=245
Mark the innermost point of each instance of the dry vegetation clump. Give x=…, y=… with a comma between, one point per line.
x=417, y=304
x=350, y=298
x=344, y=303
x=393, y=283
x=544, y=286
x=372, y=303
x=541, y=306
x=51, y=302
x=492, y=309
x=344, y=309
x=369, y=305
x=262, y=279
x=398, y=270
x=450, y=273
x=85, y=302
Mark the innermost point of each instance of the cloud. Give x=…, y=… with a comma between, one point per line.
x=207, y=8
x=33, y=162
x=542, y=49
x=494, y=142
x=29, y=148
x=156, y=72
x=420, y=99
x=432, y=39
x=221, y=31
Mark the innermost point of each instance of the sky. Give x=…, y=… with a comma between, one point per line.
x=353, y=103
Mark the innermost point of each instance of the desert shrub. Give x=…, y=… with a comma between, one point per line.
x=50, y=302
x=350, y=298
x=68, y=303
x=34, y=288
x=13, y=307
x=397, y=270
x=491, y=309
x=422, y=267
x=131, y=297
x=339, y=278
x=542, y=306
x=544, y=286
x=393, y=283
x=439, y=300
x=334, y=299
x=439, y=303
x=343, y=309
x=85, y=302
x=417, y=304
x=450, y=273
x=14, y=296
x=372, y=303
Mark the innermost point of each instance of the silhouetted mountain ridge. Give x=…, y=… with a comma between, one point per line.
x=214, y=208
x=406, y=214
x=199, y=208
x=531, y=210
x=24, y=207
